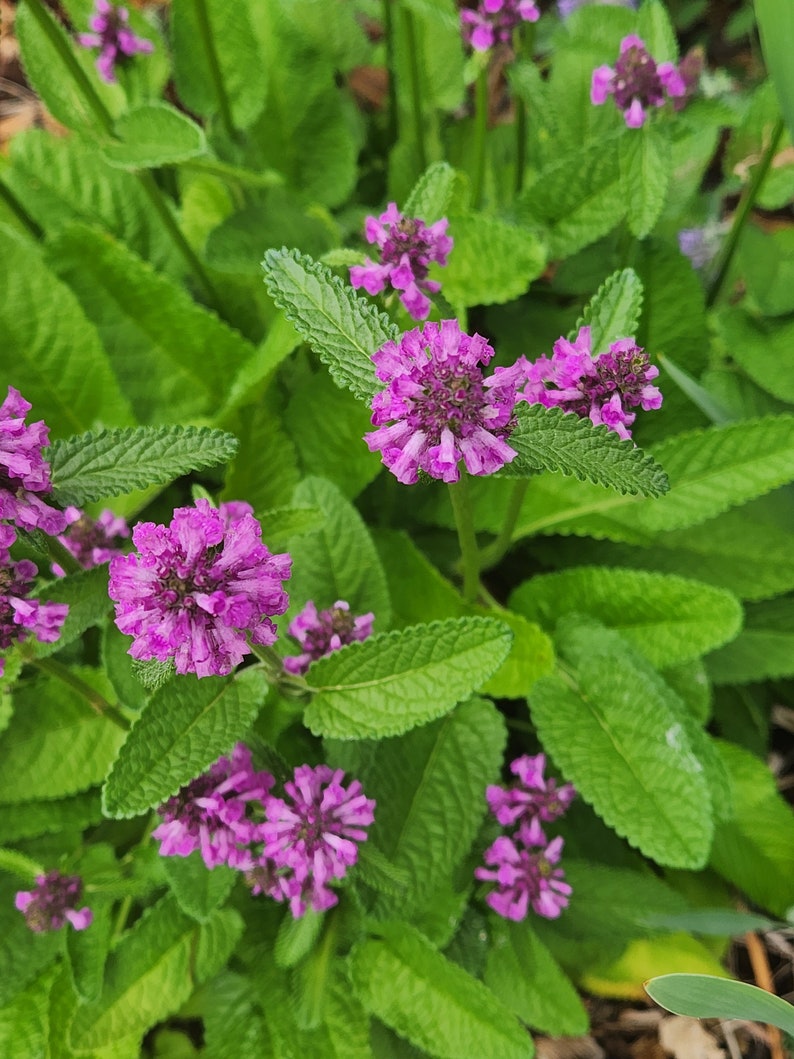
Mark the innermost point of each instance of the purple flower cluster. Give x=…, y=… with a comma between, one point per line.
x=407, y=247
x=290, y=848
x=24, y=473
x=523, y=866
x=636, y=82
x=438, y=408
x=603, y=389
x=53, y=902
x=319, y=633
x=196, y=589
x=113, y=37
x=92, y=541
x=493, y=21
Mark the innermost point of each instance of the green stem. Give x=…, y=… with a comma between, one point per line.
x=19, y=211
x=746, y=204
x=464, y=521
x=95, y=700
x=491, y=555
x=388, y=30
x=415, y=86
x=521, y=144
x=62, y=556
x=480, y=131
x=520, y=726
x=121, y=918
x=216, y=75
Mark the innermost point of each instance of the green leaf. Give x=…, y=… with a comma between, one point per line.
x=94, y=466
x=762, y=650
x=187, y=725
x=437, y=1006
x=338, y=561
x=614, y=310
x=87, y=596
x=31, y=819
x=668, y=619
x=342, y=328
x=19, y=864
x=148, y=978
x=547, y=439
x=703, y=996
x=531, y=656
x=619, y=734
x=656, y=29
x=429, y=786
x=396, y=681
x=776, y=28
x=233, y=1027
x=43, y=324
x=24, y=1023
x=645, y=165
x=755, y=849
x=296, y=938
x=22, y=954
x=525, y=976
x=268, y=481
x=173, y=357
x=713, y=922
x=216, y=943
x=154, y=135
x=241, y=63
x=197, y=889
x=55, y=744
x=762, y=347
x=492, y=262
x=431, y=193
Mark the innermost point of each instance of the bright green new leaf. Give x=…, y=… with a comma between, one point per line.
x=668, y=619
x=492, y=262
x=187, y=725
x=343, y=328
x=614, y=310
x=656, y=30
x=776, y=27
x=702, y=996
x=24, y=1023
x=94, y=466
x=547, y=439
x=154, y=135
x=396, y=681
x=645, y=165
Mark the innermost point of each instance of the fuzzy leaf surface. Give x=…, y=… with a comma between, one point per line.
x=645, y=164
x=342, y=327
x=403, y=980
x=763, y=650
x=547, y=439
x=94, y=466
x=614, y=311
x=187, y=725
x=492, y=262
x=396, y=681
x=431, y=193
x=668, y=619
x=154, y=135
x=198, y=891
x=86, y=593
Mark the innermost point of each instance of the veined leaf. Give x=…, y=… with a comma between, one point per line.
x=492, y=262
x=396, y=681
x=187, y=725
x=410, y=986
x=764, y=649
x=645, y=164
x=668, y=619
x=704, y=996
x=86, y=593
x=94, y=466
x=614, y=310
x=31, y=819
x=547, y=439
x=153, y=135
x=431, y=193
x=343, y=328
x=197, y=890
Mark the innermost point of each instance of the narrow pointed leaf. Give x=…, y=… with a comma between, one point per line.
x=702, y=996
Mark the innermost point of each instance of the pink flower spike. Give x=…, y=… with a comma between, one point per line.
x=19, y=615
x=51, y=903
x=524, y=874
x=636, y=82
x=24, y=473
x=533, y=796
x=319, y=634
x=113, y=37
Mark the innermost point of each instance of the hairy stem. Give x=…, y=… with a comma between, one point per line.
x=469, y=554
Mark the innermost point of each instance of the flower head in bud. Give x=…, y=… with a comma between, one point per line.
x=407, y=246
x=52, y=902
x=113, y=36
x=321, y=633
x=438, y=408
x=636, y=82
x=197, y=588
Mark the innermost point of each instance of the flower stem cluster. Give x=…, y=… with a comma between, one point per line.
x=290, y=848
x=53, y=902
x=112, y=35
x=636, y=82
x=523, y=866
x=197, y=588
x=603, y=389
x=493, y=21
x=438, y=408
x=319, y=633
x=407, y=246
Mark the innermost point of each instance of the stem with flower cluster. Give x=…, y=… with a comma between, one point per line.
x=464, y=521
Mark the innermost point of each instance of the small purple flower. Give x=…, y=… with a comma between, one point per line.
x=701, y=245
x=19, y=615
x=438, y=408
x=567, y=7
x=310, y=837
x=690, y=68
x=53, y=902
x=533, y=796
x=636, y=82
x=23, y=470
x=602, y=388
x=495, y=20
x=113, y=37
x=407, y=246
x=197, y=588
x=321, y=633
x=92, y=541
x=215, y=813
x=524, y=873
